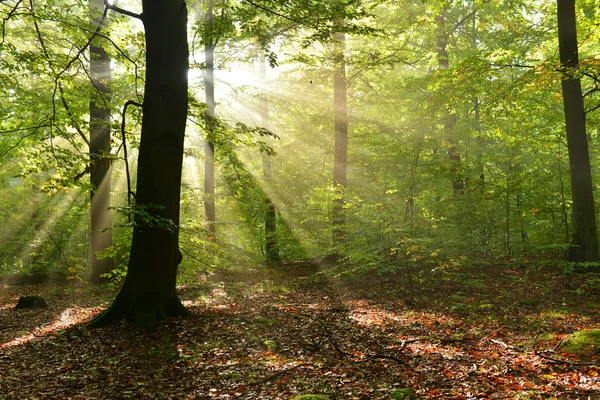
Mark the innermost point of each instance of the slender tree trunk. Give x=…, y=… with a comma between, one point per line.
x=454, y=158
x=340, y=157
x=100, y=173
x=563, y=199
x=149, y=291
x=271, y=245
x=209, y=146
x=481, y=144
x=584, y=246
x=409, y=213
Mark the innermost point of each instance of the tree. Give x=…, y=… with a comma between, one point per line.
x=271, y=247
x=210, y=43
x=148, y=292
x=443, y=60
x=584, y=246
x=340, y=155
x=100, y=171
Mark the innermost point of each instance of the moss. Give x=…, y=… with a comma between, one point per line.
x=529, y=302
x=310, y=397
x=583, y=343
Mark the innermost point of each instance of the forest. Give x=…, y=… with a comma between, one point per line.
x=299, y=199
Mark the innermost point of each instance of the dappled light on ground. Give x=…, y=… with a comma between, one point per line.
x=69, y=317
x=278, y=335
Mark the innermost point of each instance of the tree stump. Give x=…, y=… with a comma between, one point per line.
x=31, y=302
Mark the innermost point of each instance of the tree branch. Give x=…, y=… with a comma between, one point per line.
x=8, y=16
x=59, y=87
x=116, y=9
x=129, y=192
x=279, y=14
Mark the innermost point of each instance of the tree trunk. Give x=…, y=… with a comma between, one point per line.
x=209, y=146
x=271, y=245
x=149, y=291
x=340, y=157
x=454, y=158
x=100, y=173
x=584, y=246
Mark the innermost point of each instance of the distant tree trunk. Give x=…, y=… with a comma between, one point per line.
x=209, y=146
x=458, y=184
x=340, y=157
x=584, y=246
x=271, y=245
x=481, y=144
x=99, y=151
x=149, y=291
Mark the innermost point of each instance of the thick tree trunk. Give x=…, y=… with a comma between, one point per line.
x=271, y=245
x=584, y=246
x=149, y=291
x=99, y=151
x=340, y=156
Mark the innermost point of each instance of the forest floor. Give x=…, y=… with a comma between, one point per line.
x=480, y=332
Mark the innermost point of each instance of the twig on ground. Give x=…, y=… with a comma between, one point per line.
x=383, y=357
x=332, y=340
x=558, y=345
x=559, y=361
x=431, y=339
x=282, y=372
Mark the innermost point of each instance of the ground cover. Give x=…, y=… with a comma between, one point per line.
x=500, y=332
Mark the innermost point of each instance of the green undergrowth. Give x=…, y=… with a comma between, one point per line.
x=583, y=343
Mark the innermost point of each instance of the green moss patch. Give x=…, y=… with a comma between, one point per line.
x=583, y=343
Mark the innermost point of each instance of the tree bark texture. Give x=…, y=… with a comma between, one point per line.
x=149, y=290
x=584, y=246
x=340, y=156
x=100, y=172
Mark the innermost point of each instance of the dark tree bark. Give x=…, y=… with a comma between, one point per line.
x=271, y=245
x=209, y=146
x=340, y=156
x=454, y=158
x=584, y=246
x=100, y=172
x=149, y=291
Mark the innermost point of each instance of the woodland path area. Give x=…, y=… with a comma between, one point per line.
x=487, y=332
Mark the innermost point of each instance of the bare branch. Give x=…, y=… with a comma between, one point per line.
x=122, y=11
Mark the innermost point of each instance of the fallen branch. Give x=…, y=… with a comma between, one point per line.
x=407, y=341
x=383, y=357
x=282, y=372
x=431, y=339
x=343, y=353
x=332, y=340
x=559, y=361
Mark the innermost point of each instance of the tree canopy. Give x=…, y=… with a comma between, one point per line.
x=456, y=145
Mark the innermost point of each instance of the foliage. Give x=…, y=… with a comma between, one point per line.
x=496, y=106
